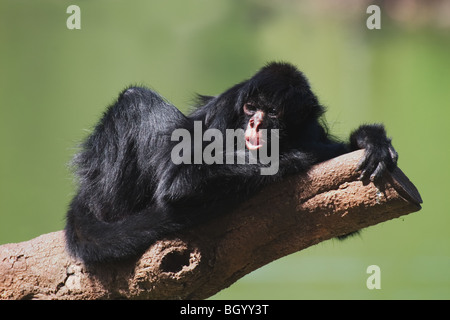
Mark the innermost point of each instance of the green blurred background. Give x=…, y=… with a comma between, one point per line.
x=56, y=82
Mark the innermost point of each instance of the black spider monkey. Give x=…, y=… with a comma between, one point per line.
x=131, y=192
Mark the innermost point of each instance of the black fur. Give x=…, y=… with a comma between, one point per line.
x=131, y=193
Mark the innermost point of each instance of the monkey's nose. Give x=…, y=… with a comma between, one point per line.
x=256, y=120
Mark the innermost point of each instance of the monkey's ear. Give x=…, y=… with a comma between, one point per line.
x=300, y=105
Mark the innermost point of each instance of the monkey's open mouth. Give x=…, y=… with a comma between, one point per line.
x=253, y=143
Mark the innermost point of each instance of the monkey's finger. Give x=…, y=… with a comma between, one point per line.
x=394, y=154
x=369, y=167
x=379, y=171
x=363, y=161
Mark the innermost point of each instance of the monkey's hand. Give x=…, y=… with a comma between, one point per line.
x=379, y=154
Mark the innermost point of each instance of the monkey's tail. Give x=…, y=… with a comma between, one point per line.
x=93, y=241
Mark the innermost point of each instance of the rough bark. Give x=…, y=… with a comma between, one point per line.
x=294, y=214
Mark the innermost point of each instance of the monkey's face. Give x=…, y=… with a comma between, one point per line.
x=277, y=97
x=259, y=118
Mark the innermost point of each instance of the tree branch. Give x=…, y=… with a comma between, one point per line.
x=292, y=215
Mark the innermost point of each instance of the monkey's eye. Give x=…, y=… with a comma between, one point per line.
x=249, y=108
x=272, y=113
